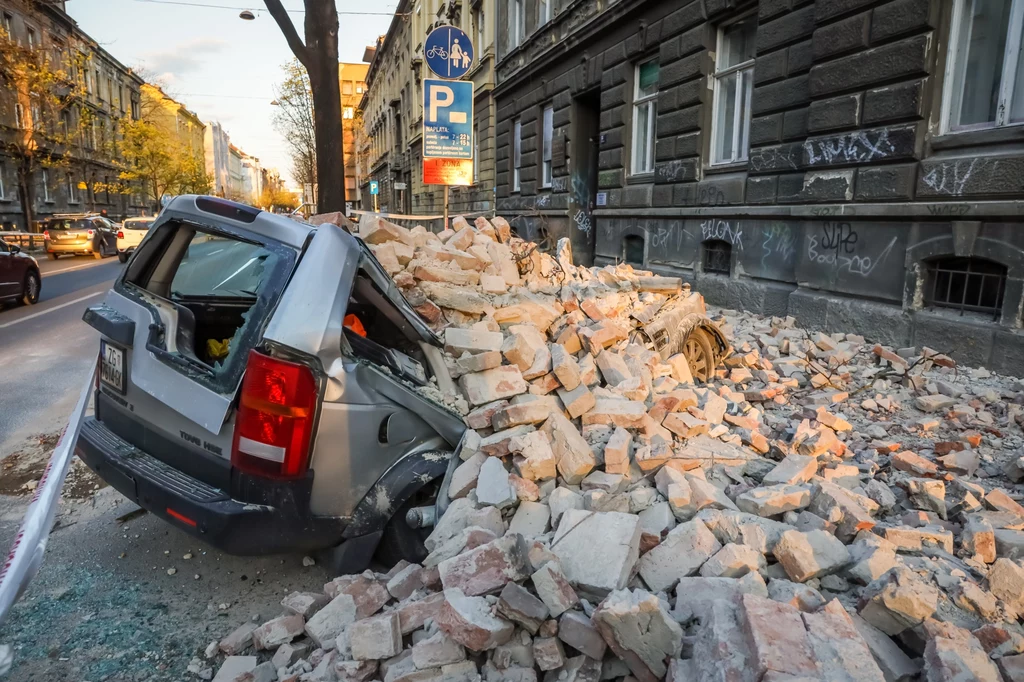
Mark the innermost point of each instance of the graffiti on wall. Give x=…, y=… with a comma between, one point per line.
x=774, y=158
x=837, y=245
x=951, y=177
x=778, y=240
x=722, y=230
x=673, y=171
x=859, y=147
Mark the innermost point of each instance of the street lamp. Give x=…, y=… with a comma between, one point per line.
x=247, y=15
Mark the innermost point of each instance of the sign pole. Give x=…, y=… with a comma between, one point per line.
x=375, y=203
x=446, y=207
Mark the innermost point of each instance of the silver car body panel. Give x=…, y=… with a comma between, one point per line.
x=153, y=385
x=369, y=419
x=267, y=225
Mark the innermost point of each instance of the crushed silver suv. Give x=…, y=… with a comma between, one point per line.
x=233, y=401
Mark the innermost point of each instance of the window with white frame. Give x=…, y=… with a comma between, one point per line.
x=3, y=195
x=548, y=130
x=733, y=87
x=72, y=190
x=46, y=186
x=19, y=116
x=984, y=86
x=645, y=113
x=37, y=114
x=478, y=22
x=8, y=25
x=516, y=23
x=517, y=152
x=544, y=10
x=31, y=39
x=348, y=112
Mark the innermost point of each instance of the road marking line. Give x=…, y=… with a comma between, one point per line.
x=73, y=267
x=50, y=310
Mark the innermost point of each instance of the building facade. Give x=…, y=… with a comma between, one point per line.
x=57, y=148
x=174, y=119
x=858, y=164
x=392, y=109
x=353, y=86
x=216, y=145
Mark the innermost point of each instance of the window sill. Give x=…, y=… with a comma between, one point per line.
x=727, y=167
x=972, y=138
x=640, y=178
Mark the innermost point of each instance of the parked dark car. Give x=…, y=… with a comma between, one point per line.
x=19, y=275
x=82, y=235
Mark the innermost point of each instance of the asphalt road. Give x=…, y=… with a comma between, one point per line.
x=129, y=600
x=46, y=351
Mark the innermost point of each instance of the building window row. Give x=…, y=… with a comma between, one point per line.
x=517, y=153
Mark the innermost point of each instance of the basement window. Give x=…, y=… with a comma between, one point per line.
x=717, y=257
x=633, y=249
x=966, y=284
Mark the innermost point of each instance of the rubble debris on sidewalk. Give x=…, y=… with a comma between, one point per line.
x=823, y=508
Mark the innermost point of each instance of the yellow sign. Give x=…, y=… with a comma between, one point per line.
x=448, y=172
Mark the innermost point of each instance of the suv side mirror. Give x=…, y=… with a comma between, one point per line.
x=14, y=248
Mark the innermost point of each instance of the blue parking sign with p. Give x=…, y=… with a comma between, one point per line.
x=447, y=119
x=374, y=187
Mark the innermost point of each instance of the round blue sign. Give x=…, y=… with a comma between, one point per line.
x=449, y=52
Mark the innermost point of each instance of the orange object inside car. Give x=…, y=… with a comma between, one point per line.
x=355, y=324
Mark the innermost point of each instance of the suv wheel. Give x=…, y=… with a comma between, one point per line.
x=699, y=355
x=52, y=255
x=122, y=256
x=399, y=541
x=30, y=293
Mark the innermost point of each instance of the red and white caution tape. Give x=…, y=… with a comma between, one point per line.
x=26, y=554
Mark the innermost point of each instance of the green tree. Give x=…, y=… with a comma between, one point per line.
x=40, y=89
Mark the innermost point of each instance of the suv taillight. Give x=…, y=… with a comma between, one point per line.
x=90, y=233
x=46, y=234
x=120, y=234
x=275, y=418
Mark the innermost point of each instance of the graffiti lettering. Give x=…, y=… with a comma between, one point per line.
x=543, y=200
x=778, y=240
x=722, y=230
x=948, y=209
x=836, y=246
x=825, y=210
x=951, y=177
x=560, y=184
x=582, y=220
x=773, y=158
x=851, y=148
x=673, y=171
x=711, y=196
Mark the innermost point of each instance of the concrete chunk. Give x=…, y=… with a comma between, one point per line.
x=640, y=632
x=469, y=621
x=376, y=638
x=683, y=551
x=597, y=550
x=809, y=555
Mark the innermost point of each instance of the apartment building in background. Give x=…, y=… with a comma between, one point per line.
x=216, y=144
x=858, y=164
x=174, y=119
x=109, y=91
x=353, y=86
x=392, y=109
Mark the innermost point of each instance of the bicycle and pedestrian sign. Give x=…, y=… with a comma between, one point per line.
x=449, y=52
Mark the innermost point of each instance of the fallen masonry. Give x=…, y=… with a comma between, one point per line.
x=821, y=509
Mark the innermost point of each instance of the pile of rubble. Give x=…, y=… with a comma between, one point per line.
x=821, y=509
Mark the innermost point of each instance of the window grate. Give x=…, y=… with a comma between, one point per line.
x=966, y=284
x=718, y=257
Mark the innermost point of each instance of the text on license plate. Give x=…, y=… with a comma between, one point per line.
x=112, y=366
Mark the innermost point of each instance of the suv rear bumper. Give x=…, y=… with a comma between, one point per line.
x=199, y=509
x=80, y=248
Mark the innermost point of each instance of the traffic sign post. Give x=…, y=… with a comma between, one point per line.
x=374, y=191
x=447, y=135
x=449, y=52
x=448, y=111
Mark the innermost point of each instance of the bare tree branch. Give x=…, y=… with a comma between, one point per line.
x=284, y=22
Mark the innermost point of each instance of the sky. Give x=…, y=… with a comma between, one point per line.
x=219, y=66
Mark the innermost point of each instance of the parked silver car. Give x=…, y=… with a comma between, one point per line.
x=233, y=402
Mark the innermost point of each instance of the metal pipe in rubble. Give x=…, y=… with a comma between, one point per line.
x=420, y=517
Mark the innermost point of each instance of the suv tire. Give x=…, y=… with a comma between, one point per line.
x=123, y=257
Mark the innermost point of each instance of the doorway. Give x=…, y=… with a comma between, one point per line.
x=584, y=132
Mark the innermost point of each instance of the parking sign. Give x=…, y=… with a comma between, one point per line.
x=447, y=119
x=374, y=187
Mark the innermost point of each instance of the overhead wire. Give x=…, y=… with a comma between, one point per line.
x=204, y=5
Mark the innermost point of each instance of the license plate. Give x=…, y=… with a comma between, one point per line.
x=112, y=366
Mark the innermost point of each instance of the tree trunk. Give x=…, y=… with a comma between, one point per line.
x=26, y=196
x=322, y=50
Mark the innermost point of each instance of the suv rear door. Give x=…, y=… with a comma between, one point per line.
x=176, y=332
